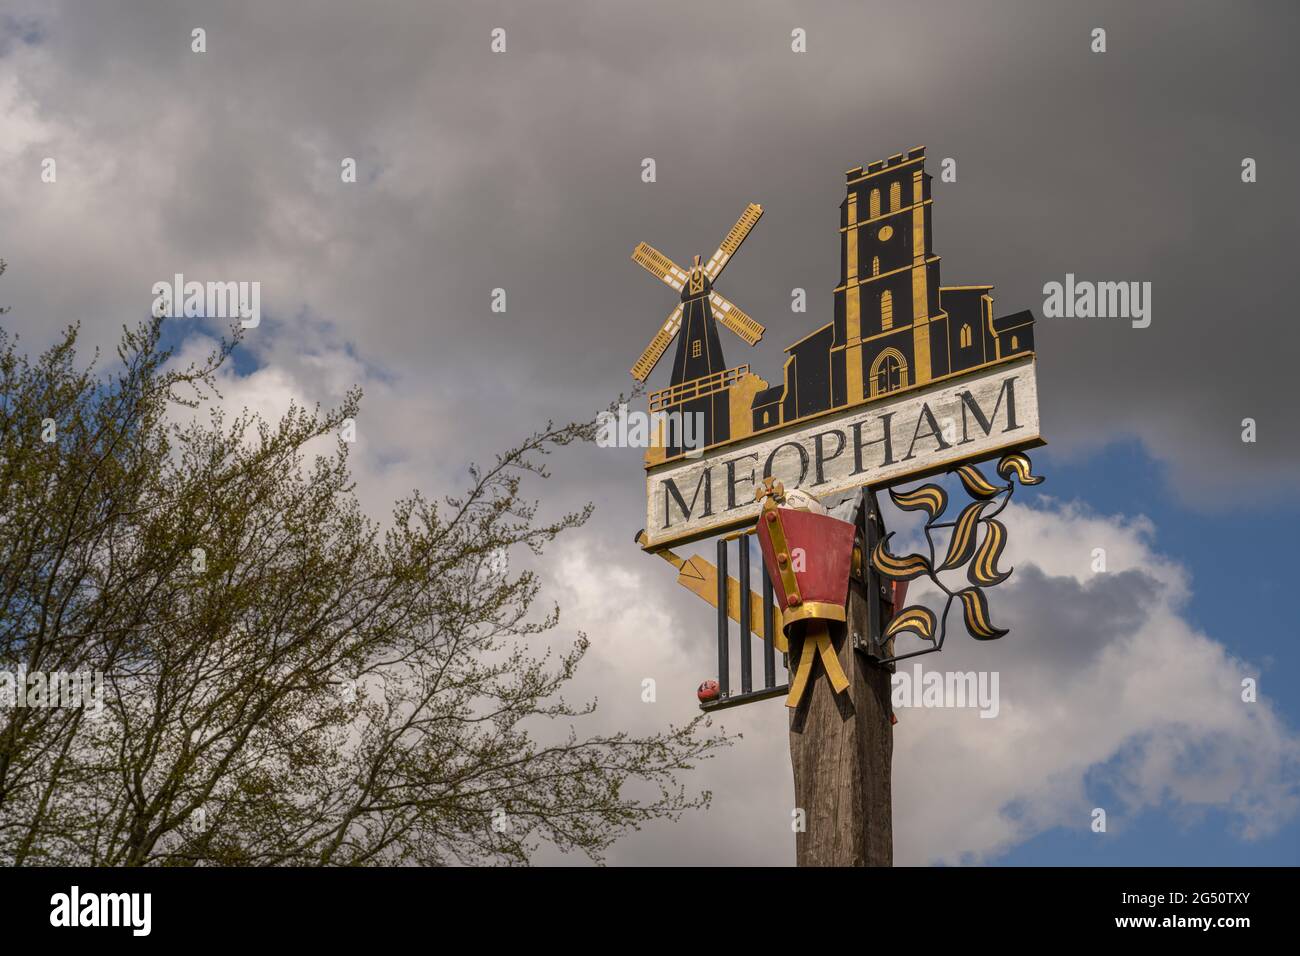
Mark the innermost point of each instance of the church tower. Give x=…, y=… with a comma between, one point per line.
x=888, y=295
x=893, y=327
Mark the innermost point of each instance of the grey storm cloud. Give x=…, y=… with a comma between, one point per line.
x=521, y=171
x=1077, y=619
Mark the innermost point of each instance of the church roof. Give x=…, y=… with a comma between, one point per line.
x=1015, y=320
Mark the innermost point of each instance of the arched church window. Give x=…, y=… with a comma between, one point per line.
x=886, y=310
x=965, y=336
x=895, y=196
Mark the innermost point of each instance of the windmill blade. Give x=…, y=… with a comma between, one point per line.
x=735, y=318
x=659, y=265
x=658, y=346
x=753, y=212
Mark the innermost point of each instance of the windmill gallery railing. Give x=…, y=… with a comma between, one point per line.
x=696, y=388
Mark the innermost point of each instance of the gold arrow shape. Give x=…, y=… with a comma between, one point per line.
x=700, y=577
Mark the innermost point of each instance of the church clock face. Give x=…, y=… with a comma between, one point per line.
x=885, y=234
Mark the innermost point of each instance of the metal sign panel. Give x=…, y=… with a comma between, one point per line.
x=895, y=437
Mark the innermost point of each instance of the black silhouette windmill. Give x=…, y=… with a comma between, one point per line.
x=700, y=382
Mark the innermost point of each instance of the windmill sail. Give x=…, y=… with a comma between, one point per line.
x=702, y=354
x=658, y=346
x=736, y=319
x=660, y=266
x=748, y=219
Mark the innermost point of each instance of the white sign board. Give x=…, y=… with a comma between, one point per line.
x=915, y=433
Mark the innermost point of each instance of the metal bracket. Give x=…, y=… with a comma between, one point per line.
x=871, y=528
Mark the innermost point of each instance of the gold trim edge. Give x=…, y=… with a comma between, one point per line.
x=897, y=393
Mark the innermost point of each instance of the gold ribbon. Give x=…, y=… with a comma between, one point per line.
x=816, y=641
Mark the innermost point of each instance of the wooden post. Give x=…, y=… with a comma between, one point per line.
x=842, y=746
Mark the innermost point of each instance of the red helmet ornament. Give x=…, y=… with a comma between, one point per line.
x=808, y=558
x=814, y=560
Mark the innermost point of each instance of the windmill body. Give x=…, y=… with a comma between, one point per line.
x=699, y=349
x=696, y=405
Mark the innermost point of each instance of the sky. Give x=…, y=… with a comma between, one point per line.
x=522, y=170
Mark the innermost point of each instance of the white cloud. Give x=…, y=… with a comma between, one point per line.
x=1108, y=694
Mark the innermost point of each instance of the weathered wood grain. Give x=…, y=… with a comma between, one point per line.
x=841, y=748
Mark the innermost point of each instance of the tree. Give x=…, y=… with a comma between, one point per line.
x=284, y=681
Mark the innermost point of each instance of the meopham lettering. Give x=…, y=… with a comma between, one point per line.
x=883, y=441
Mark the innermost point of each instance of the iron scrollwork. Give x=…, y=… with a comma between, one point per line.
x=965, y=548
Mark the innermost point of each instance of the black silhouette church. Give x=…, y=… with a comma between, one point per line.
x=895, y=326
